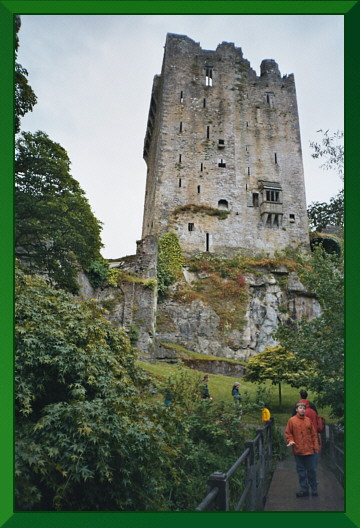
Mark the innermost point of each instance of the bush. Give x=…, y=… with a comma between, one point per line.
x=81, y=424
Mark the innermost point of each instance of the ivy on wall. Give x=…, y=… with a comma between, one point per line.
x=170, y=261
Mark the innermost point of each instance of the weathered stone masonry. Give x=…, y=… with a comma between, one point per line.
x=220, y=137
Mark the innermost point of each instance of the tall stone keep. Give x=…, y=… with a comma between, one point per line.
x=223, y=153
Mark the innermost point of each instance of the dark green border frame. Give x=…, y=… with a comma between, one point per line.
x=8, y=8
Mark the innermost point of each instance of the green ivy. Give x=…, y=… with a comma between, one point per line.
x=170, y=261
x=97, y=272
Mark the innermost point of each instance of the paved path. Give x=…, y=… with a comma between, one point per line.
x=284, y=485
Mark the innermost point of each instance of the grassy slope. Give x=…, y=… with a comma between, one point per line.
x=220, y=389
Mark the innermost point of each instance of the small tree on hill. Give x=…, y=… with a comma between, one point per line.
x=277, y=365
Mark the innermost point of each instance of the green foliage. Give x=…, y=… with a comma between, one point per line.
x=56, y=231
x=278, y=365
x=321, y=340
x=97, y=272
x=322, y=214
x=331, y=150
x=170, y=262
x=116, y=277
x=81, y=425
x=133, y=333
x=261, y=399
x=25, y=98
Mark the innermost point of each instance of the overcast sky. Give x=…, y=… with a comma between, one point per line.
x=93, y=76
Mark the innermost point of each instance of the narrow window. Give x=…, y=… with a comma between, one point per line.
x=179, y=158
x=248, y=171
x=208, y=77
x=179, y=182
x=247, y=123
x=222, y=163
x=270, y=99
x=191, y=227
x=292, y=218
x=198, y=189
x=275, y=158
x=207, y=241
x=201, y=167
x=272, y=196
x=246, y=148
x=180, y=126
x=181, y=97
x=255, y=199
x=221, y=143
x=204, y=103
x=207, y=132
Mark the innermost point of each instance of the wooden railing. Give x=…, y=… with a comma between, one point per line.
x=256, y=459
x=333, y=449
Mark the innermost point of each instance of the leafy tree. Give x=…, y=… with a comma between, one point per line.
x=25, y=98
x=56, y=231
x=321, y=340
x=278, y=365
x=331, y=150
x=322, y=214
x=84, y=439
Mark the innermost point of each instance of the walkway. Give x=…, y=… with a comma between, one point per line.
x=284, y=485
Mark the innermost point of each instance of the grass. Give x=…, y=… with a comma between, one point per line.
x=220, y=389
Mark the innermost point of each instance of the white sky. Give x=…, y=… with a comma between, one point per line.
x=93, y=76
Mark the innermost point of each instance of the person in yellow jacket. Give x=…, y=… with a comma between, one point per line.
x=265, y=413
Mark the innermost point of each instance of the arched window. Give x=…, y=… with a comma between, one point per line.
x=223, y=204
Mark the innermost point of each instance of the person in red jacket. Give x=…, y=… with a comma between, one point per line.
x=310, y=413
x=301, y=435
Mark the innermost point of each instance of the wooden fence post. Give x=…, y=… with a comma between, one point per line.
x=260, y=491
x=251, y=476
x=219, y=480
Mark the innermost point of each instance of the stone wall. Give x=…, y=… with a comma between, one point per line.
x=273, y=298
x=221, y=137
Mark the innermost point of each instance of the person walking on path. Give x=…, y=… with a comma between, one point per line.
x=301, y=435
x=236, y=393
x=311, y=412
x=303, y=398
x=205, y=389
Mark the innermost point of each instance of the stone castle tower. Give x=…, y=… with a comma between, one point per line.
x=223, y=153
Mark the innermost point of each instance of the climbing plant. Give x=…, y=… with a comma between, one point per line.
x=170, y=261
